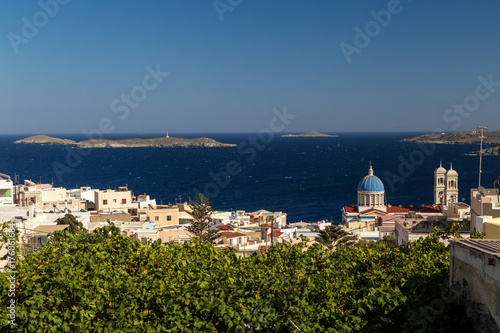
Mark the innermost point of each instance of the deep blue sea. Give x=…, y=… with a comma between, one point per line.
x=308, y=178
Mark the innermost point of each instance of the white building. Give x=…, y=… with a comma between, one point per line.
x=6, y=190
x=145, y=201
x=485, y=206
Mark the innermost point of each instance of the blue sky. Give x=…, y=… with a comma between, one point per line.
x=228, y=75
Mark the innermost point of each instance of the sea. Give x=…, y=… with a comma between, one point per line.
x=309, y=178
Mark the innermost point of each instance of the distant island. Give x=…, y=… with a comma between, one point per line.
x=457, y=138
x=308, y=134
x=472, y=137
x=492, y=151
x=126, y=143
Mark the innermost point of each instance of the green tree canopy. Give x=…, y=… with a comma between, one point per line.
x=75, y=226
x=202, y=226
x=105, y=282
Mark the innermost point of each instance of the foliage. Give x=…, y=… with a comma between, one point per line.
x=75, y=226
x=477, y=234
x=333, y=236
x=202, y=225
x=9, y=234
x=451, y=230
x=105, y=282
x=366, y=243
x=388, y=240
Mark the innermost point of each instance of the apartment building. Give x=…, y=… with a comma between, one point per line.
x=114, y=200
x=485, y=207
x=162, y=215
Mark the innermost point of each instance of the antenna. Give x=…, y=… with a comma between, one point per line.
x=482, y=128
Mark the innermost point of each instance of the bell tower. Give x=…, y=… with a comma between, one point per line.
x=451, y=185
x=440, y=185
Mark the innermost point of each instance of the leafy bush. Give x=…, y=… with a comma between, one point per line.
x=105, y=282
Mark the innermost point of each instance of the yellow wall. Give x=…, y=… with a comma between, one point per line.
x=359, y=225
x=110, y=200
x=492, y=229
x=160, y=216
x=53, y=195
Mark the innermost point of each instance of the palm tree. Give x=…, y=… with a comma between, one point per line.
x=333, y=236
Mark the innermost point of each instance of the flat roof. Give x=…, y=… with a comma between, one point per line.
x=47, y=229
x=490, y=246
x=487, y=191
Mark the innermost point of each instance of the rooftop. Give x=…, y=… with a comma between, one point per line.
x=401, y=209
x=227, y=234
x=46, y=229
x=423, y=225
x=489, y=246
x=488, y=191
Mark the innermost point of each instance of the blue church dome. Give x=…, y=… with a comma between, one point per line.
x=371, y=183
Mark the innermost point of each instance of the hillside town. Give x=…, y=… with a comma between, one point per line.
x=36, y=207
x=36, y=210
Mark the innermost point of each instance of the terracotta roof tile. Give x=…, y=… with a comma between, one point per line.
x=227, y=234
x=350, y=209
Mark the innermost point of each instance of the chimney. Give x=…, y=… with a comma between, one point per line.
x=31, y=210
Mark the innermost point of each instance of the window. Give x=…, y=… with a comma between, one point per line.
x=124, y=201
x=157, y=218
x=105, y=202
x=169, y=218
x=114, y=200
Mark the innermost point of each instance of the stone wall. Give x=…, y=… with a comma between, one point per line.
x=478, y=276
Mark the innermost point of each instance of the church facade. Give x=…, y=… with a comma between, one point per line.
x=445, y=186
x=372, y=201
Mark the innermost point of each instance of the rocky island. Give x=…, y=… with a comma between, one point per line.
x=492, y=151
x=46, y=140
x=457, y=138
x=308, y=134
x=126, y=143
x=473, y=137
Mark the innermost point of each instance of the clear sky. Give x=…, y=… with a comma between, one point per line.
x=66, y=67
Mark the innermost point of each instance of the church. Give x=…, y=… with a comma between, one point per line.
x=445, y=186
x=372, y=201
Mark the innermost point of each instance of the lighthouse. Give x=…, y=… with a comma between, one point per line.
x=167, y=135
